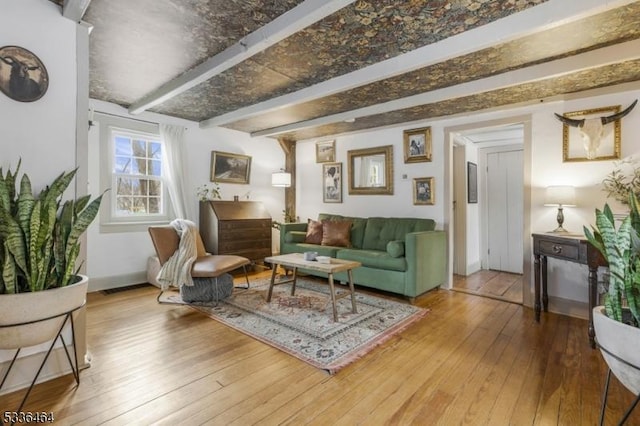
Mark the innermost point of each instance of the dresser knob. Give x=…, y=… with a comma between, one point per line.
x=557, y=249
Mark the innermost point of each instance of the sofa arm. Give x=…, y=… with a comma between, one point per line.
x=426, y=256
x=287, y=227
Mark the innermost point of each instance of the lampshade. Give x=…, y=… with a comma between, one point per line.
x=281, y=179
x=560, y=196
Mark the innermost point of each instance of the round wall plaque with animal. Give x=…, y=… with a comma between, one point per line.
x=23, y=76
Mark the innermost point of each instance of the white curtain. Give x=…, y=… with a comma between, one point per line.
x=172, y=161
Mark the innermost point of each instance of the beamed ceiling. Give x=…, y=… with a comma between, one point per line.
x=304, y=69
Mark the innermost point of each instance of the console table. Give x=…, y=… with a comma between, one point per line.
x=572, y=248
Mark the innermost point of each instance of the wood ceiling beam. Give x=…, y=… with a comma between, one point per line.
x=290, y=22
x=75, y=9
x=550, y=14
x=596, y=58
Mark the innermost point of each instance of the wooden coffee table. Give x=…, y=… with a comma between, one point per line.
x=296, y=260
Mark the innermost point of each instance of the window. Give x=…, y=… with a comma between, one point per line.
x=137, y=176
x=132, y=174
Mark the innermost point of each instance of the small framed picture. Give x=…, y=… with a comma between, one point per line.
x=423, y=190
x=472, y=182
x=227, y=167
x=417, y=145
x=326, y=151
x=332, y=182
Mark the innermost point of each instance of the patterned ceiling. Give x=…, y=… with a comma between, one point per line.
x=137, y=46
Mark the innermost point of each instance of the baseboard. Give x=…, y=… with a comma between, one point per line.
x=105, y=283
x=572, y=308
x=473, y=267
x=26, y=367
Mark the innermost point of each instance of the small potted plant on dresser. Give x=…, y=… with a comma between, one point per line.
x=40, y=287
x=617, y=322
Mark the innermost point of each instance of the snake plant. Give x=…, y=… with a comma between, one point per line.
x=621, y=248
x=40, y=234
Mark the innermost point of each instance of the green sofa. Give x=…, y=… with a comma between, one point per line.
x=406, y=256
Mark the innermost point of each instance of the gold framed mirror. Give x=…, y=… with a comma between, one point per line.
x=370, y=171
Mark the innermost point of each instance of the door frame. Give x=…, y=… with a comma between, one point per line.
x=449, y=134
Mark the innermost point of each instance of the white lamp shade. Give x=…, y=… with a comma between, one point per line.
x=560, y=196
x=281, y=179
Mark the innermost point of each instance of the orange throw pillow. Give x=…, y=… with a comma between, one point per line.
x=314, y=232
x=336, y=233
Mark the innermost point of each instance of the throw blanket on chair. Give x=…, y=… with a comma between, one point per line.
x=177, y=270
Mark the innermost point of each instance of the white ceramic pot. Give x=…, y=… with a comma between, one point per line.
x=623, y=341
x=33, y=308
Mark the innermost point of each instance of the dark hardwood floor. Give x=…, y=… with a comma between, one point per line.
x=471, y=360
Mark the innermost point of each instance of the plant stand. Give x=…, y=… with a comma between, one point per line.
x=606, y=389
x=68, y=317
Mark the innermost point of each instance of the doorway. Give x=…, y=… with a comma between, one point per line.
x=488, y=234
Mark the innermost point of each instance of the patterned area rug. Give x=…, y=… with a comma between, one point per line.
x=303, y=326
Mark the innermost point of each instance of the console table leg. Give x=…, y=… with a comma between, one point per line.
x=593, y=299
x=545, y=295
x=536, y=287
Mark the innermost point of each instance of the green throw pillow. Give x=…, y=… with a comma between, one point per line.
x=395, y=248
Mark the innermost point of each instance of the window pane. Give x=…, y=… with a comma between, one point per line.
x=137, y=188
x=154, y=205
x=139, y=148
x=124, y=186
x=155, y=168
x=123, y=145
x=123, y=205
x=155, y=187
x=155, y=150
x=122, y=165
x=139, y=166
x=139, y=205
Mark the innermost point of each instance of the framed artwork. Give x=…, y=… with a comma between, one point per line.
x=332, y=182
x=472, y=182
x=417, y=145
x=230, y=168
x=423, y=189
x=606, y=148
x=23, y=76
x=326, y=151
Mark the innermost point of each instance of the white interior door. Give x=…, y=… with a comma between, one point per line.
x=505, y=211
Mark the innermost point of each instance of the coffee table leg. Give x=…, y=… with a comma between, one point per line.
x=293, y=283
x=273, y=279
x=353, y=292
x=333, y=297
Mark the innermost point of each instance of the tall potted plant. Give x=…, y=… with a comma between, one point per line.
x=616, y=323
x=40, y=234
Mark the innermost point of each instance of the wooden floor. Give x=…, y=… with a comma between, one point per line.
x=495, y=284
x=471, y=360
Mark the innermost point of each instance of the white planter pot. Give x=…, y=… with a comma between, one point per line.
x=623, y=341
x=34, y=308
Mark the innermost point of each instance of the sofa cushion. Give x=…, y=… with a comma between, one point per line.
x=295, y=237
x=381, y=230
x=395, y=248
x=374, y=259
x=314, y=232
x=358, y=225
x=336, y=233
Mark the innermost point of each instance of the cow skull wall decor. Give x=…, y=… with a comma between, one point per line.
x=592, y=129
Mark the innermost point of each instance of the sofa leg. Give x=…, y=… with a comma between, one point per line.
x=412, y=300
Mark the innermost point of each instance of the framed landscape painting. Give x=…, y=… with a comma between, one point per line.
x=227, y=167
x=326, y=151
x=332, y=182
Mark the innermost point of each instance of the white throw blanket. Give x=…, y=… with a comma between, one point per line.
x=177, y=270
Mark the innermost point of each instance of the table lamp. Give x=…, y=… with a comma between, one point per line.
x=560, y=196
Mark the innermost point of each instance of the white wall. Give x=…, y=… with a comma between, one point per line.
x=117, y=259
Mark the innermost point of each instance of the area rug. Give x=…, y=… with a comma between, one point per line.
x=303, y=326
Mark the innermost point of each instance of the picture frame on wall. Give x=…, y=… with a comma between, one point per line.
x=472, y=183
x=573, y=148
x=23, y=76
x=332, y=182
x=423, y=191
x=417, y=145
x=326, y=151
x=227, y=167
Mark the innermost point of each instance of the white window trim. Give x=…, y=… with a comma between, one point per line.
x=108, y=222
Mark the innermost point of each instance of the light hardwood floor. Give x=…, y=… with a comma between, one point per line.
x=471, y=360
x=495, y=284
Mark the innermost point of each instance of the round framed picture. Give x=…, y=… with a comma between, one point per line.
x=23, y=76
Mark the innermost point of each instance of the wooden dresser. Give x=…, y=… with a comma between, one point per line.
x=242, y=228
